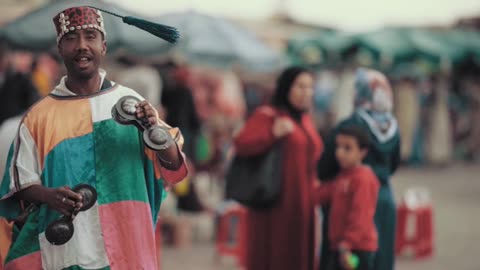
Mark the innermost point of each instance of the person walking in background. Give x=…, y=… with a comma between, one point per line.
x=17, y=92
x=180, y=107
x=8, y=131
x=352, y=198
x=373, y=111
x=45, y=72
x=282, y=237
x=142, y=77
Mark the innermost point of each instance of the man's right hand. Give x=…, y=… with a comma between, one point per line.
x=61, y=199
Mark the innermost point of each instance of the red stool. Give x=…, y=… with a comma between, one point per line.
x=422, y=240
x=224, y=247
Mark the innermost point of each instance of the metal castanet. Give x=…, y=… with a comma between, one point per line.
x=156, y=137
x=61, y=230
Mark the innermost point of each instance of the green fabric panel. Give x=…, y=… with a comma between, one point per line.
x=156, y=193
x=119, y=158
x=25, y=241
x=5, y=184
x=9, y=208
x=70, y=163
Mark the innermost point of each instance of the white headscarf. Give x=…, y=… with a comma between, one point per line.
x=374, y=103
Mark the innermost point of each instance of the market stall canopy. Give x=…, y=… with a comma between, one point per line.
x=35, y=30
x=383, y=48
x=320, y=49
x=445, y=48
x=213, y=41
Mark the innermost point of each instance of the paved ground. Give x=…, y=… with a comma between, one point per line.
x=455, y=192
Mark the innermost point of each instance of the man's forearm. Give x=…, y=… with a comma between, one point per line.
x=36, y=194
x=170, y=158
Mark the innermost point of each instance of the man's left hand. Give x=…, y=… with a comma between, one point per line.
x=146, y=110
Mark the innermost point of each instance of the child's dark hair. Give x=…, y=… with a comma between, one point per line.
x=359, y=133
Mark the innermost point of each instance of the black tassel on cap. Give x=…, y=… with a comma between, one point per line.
x=164, y=32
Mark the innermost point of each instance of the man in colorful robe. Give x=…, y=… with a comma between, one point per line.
x=69, y=138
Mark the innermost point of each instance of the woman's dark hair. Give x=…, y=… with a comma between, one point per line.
x=360, y=134
x=284, y=84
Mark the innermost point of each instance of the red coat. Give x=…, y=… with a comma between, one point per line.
x=353, y=199
x=282, y=238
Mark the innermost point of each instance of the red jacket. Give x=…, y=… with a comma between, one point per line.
x=353, y=199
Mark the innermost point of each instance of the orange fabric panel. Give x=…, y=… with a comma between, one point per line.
x=5, y=239
x=156, y=164
x=53, y=120
x=177, y=136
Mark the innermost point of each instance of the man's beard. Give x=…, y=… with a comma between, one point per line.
x=82, y=75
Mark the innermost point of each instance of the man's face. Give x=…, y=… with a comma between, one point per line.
x=82, y=52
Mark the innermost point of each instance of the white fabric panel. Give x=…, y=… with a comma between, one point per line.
x=27, y=161
x=86, y=248
x=102, y=104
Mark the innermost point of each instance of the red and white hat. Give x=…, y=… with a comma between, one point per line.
x=76, y=18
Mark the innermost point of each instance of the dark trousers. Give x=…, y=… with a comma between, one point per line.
x=364, y=257
x=325, y=252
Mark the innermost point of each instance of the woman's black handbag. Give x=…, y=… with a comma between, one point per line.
x=256, y=181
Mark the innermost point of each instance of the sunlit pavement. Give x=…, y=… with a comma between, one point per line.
x=455, y=192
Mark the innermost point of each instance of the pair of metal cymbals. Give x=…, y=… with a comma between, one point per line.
x=61, y=230
x=156, y=137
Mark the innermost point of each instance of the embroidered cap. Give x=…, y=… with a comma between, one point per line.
x=77, y=18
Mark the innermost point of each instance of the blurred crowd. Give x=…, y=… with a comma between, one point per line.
x=208, y=104
x=438, y=115
x=350, y=110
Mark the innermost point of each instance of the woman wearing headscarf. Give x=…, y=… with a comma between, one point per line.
x=373, y=111
x=282, y=237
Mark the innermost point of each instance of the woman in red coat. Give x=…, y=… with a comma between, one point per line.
x=282, y=238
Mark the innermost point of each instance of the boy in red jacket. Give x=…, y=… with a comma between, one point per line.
x=352, y=197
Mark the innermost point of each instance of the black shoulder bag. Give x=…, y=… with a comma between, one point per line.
x=256, y=181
